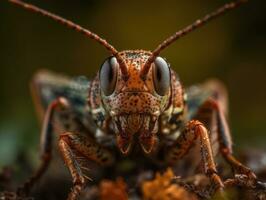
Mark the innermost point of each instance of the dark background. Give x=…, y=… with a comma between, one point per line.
x=231, y=48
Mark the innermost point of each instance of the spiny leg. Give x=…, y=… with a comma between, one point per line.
x=224, y=144
x=71, y=146
x=195, y=130
x=213, y=114
x=45, y=144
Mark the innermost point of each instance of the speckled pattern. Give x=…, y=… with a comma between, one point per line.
x=134, y=106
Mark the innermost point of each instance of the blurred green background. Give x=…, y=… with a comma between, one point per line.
x=231, y=48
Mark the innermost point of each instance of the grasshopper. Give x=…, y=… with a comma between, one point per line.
x=137, y=103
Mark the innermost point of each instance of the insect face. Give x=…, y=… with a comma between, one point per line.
x=135, y=104
x=134, y=85
x=133, y=92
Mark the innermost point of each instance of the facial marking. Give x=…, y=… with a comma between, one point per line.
x=135, y=106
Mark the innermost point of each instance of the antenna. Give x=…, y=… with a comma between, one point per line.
x=77, y=28
x=197, y=24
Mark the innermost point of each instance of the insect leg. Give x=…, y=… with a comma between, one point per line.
x=213, y=114
x=71, y=146
x=195, y=130
x=45, y=144
x=225, y=145
x=217, y=104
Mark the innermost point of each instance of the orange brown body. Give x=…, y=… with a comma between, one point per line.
x=136, y=100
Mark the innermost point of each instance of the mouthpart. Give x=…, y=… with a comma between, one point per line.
x=128, y=126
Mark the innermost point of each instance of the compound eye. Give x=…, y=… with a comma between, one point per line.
x=108, y=75
x=161, y=76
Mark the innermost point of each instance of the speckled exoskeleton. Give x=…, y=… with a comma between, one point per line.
x=136, y=102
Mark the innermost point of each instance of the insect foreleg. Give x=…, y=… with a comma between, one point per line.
x=216, y=105
x=192, y=131
x=45, y=144
x=72, y=146
x=225, y=148
x=213, y=114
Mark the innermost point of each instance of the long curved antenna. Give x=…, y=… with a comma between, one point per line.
x=198, y=23
x=78, y=28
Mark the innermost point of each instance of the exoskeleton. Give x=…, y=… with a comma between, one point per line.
x=135, y=104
